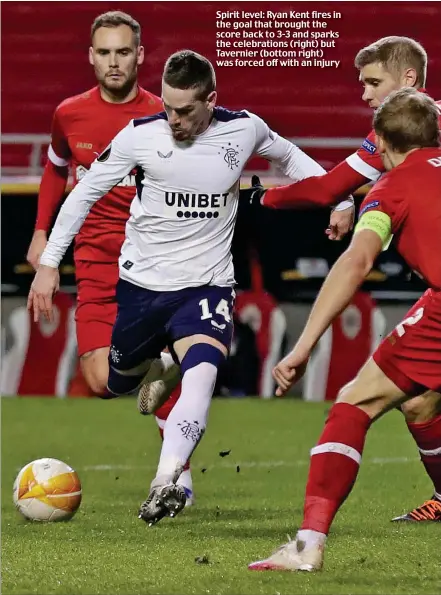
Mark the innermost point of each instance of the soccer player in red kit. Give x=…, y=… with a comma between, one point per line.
x=82, y=128
x=404, y=206
x=386, y=65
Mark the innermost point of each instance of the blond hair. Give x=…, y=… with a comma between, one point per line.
x=408, y=119
x=395, y=54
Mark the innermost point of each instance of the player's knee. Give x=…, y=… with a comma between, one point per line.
x=422, y=408
x=96, y=373
x=356, y=393
x=202, y=353
x=371, y=390
x=199, y=368
x=98, y=384
x=350, y=393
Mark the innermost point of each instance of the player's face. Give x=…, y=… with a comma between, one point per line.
x=187, y=114
x=116, y=58
x=378, y=84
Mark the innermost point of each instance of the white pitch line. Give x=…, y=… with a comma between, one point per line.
x=248, y=464
x=392, y=460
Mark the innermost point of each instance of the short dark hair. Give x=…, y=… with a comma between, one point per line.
x=408, y=119
x=188, y=70
x=395, y=54
x=116, y=18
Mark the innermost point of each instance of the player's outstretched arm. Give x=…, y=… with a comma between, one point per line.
x=345, y=277
x=340, y=285
x=308, y=175
x=323, y=191
x=115, y=162
x=106, y=171
x=52, y=189
x=291, y=160
x=361, y=167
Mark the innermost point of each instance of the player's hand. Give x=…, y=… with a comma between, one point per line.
x=290, y=369
x=37, y=245
x=340, y=223
x=253, y=194
x=45, y=284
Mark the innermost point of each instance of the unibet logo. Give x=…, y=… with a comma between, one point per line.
x=435, y=161
x=201, y=205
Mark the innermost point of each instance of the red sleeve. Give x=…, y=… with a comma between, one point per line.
x=387, y=196
x=319, y=191
x=52, y=189
x=59, y=151
x=55, y=174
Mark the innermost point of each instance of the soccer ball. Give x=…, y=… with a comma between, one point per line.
x=47, y=490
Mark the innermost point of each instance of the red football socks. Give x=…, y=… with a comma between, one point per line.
x=334, y=465
x=428, y=438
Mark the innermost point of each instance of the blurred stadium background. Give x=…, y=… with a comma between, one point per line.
x=44, y=60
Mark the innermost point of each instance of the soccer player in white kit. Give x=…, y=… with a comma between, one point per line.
x=176, y=285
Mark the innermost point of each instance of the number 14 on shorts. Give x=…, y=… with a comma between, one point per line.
x=222, y=309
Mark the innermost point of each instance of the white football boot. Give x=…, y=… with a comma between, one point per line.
x=293, y=556
x=163, y=500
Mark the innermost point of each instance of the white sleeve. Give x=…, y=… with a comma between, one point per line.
x=114, y=163
x=363, y=168
x=291, y=160
x=345, y=204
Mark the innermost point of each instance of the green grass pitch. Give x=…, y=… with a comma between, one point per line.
x=246, y=504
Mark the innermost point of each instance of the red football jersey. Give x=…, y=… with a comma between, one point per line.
x=367, y=161
x=411, y=195
x=82, y=128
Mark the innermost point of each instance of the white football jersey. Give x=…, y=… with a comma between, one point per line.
x=182, y=218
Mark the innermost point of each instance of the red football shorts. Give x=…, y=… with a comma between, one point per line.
x=96, y=304
x=411, y=355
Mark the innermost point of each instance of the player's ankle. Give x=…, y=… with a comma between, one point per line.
x=311, y=538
